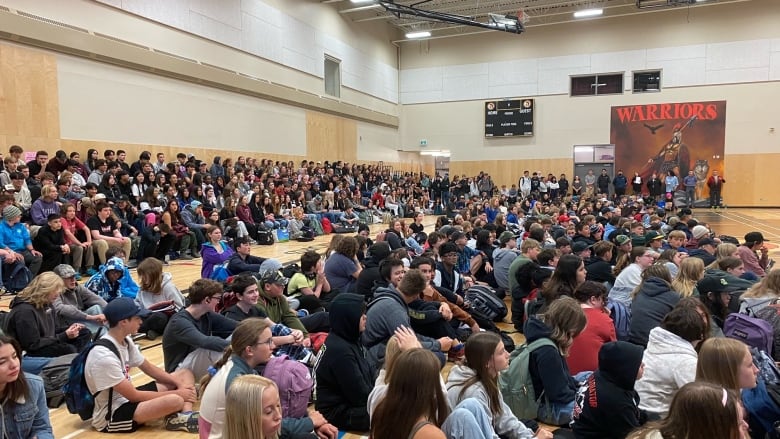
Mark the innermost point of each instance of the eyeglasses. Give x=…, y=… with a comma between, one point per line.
x=217, y=298
x=269, y=342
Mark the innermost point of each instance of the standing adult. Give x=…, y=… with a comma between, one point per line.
x=715, y=183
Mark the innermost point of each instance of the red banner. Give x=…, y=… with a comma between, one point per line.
x=677, y=137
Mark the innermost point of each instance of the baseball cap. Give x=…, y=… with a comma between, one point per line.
x=123, y=198
x=506, y=237
x=273, y=277
x=653, y=235
x=123, y=308
x=195, y=203
x=563, y=218
x=713, y=284
x=622, y=240
x=579, y=246
x=64, y=271
x=10, y=188
x=755, y=237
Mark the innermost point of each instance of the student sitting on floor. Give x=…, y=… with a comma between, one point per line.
x=120, y=407
x=196, y=336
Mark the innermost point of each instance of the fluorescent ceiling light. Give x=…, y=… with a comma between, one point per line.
x=362, y=1
x=588, y=13
x=422, y=34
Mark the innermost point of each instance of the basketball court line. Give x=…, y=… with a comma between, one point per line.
x=751, y=222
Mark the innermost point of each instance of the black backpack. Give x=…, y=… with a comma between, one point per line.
x=55, y=375
x=485, y=304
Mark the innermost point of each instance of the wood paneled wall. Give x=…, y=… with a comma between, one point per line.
x=750, y=181
x=508, y=172
x=29, y=101
x=330, y=137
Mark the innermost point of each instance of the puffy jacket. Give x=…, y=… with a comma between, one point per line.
x=670, y=363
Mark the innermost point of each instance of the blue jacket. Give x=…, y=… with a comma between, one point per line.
x=125, y=286
x=28, y=417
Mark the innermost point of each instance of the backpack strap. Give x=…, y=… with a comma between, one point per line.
x=106, y=343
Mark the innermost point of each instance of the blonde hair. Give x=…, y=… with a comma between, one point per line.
x=244, y=408
x=769, y=286
x=42, y=286
x=723, y=250
x=691, y=272
x=719, y=362
x=391, y=353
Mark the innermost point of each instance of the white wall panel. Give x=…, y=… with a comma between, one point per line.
x=681, y=72
x=733, y=76
x=465, y=87
x=524, y=71
x=679, y=53
x=618, y=61
x=564, y=62
x=774, y=66
x=416, y=80
x=227, y=12
x=738, y=55
x=262, y=30
x=512, y=91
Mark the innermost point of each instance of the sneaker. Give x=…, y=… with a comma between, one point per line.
x=91, y=272
x=182, y=422
x=131, y=264
x=196, y=254
x=303, y=313
x=185, y=257
x=139, y=336
x=77, y=276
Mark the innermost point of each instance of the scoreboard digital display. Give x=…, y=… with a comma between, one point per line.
x=509, y=118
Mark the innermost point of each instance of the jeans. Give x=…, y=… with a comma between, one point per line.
x=34, y=365
x=468, y=421
x=93, y=311
x=690, y=195
x=414, y=245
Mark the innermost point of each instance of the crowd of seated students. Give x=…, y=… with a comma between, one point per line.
x=406, y=290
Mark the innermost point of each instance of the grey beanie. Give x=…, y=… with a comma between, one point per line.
x=11, y=212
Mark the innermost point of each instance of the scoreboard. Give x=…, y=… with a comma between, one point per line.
x=508, y=118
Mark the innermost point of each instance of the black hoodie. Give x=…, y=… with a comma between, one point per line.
x=653, y=302
x=36, y=330
x=343, y=375
x=607, y=406
x=548, y=369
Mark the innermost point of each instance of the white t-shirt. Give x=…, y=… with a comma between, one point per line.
x=103, y=370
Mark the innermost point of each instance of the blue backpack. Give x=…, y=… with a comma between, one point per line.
x=621, y=317
x=17, y=278
x=78, y=398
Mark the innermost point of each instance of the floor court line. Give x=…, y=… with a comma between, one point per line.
x=751, y=222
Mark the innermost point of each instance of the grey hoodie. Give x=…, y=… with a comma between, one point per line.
x=145, y=299
x=506, y=424
x=670, y=363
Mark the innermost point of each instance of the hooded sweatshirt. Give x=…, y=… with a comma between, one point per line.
x=549, y=371
x=607, y=405
x=344, y=376
x=651, y=305
x=169, y=292
x=670, y=363
x=504, y=424
x=385, y=314
x=100, y=285
x=35, y=329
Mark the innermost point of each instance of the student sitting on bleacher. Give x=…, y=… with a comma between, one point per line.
x=121, y=407
x=196, y=336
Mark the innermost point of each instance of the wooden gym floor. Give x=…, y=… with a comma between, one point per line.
x=734, y=222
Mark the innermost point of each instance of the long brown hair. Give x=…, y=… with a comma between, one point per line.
x=150, y=274
x=654, y=271
x=566, y=320
x=698, y=410
x=414, y=391
x=18, y=388
x=479, y=350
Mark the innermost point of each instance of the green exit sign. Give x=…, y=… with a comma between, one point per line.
x=424, y=142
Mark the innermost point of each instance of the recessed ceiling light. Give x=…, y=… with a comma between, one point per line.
x=421, y=34
x=588, y=13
